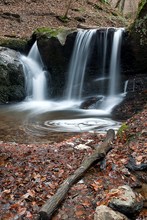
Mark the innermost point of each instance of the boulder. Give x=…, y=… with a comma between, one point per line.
x=11, y=76
x=103, y=213
x=127, y=202
x=14, y=43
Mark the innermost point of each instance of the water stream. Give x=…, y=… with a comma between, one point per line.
x=36, y=83
x=38, y=115
x=115, y=63
x=78, y=64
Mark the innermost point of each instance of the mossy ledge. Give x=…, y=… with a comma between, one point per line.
x=60, y=33
x=17, y=44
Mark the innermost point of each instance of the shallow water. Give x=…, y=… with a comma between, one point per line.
x=47, y=121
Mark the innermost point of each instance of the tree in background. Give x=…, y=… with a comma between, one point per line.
x=67, y=9
x=120, y=4
x=128, y=7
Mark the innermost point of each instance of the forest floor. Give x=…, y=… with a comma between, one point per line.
x=31, y=173
x=19, y=18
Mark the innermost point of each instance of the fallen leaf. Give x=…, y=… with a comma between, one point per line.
x=79, y=213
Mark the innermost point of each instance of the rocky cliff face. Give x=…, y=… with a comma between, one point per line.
x=55, y=47
x=138, y=39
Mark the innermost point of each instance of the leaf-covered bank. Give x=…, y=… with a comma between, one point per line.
x=30, y=174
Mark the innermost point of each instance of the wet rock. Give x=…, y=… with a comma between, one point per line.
x=14, y=43
x=55, y=47
x=103, y=212
x=90, y=102
x=127, y=201
x=11, y=76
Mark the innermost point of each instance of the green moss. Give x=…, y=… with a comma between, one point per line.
x=141, y=6
x=122, y=130
x=47, y=32
x=64, y=19
x=14, y=43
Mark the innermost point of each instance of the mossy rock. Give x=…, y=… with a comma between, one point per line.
x=122, y=130
x=59, y=33
x=141, y=9
x=17, y=44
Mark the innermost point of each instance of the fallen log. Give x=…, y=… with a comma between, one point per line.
x=51, y=204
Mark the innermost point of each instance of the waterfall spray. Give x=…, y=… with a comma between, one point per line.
x=36, y=83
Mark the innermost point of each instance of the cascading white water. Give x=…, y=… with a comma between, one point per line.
x=113, y=97
x=103, y=45
x=65, y=115
x=126, y=86
x=114, y=72
x=36, y=85
x=78, y=64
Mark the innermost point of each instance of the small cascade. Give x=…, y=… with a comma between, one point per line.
x=108, y=45
x=113, y=97
x=36, y=83
x=126, y=86
x=78, y=64
x=114, y=71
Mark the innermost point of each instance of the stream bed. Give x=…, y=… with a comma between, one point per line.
x=50, y=121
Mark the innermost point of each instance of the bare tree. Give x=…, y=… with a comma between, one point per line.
x=120, y=4
x=67, y=9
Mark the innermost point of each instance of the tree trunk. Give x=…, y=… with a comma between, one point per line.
x=101, y=150
x=120, y=4
x=68, y=6
x=117, y=4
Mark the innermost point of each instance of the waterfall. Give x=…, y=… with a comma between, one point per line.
x=36, y=83
x=92, y=47
x=114, y=71
x=78, y=64
x=91, y=89
x=103, y=48
x=113, y=98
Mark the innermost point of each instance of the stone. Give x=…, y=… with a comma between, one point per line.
x=55, y=47
x=104, y=213
x=127, y=202
x=11, y=76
